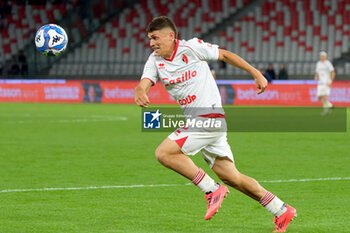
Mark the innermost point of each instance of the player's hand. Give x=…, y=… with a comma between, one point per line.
x=140, y=94
x=141, y=99
x=260, y=82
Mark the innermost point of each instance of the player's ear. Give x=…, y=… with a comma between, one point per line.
x=172, y=35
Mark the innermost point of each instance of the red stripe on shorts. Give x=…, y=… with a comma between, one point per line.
x=213, y=115
x=181, y=141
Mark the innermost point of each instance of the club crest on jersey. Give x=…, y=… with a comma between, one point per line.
x=161, y=66
x=184, y=58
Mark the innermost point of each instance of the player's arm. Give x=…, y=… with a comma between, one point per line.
x=140, y=94
x=332, y=76
x=235, y=60
x=316, y=76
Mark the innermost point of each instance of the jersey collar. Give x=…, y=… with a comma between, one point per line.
x=174, y=53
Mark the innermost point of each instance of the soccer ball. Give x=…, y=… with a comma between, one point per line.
x=51, y=40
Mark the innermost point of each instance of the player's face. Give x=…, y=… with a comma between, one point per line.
x=162, y=41
x=323, y=57
x=92, y=93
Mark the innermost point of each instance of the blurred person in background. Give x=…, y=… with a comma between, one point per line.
x=324, y=76
x=266, y=75
x=271, y=71
x=22, y=59
x=283, y=73
x=15, y=69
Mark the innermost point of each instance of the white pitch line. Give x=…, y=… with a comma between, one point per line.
x=305, y=180
x=161, y=185
x=92, y=187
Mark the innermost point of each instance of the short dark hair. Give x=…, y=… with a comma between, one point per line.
x=161, y=22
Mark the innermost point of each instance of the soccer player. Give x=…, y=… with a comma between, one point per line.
x=325, y=75
x=170, y=60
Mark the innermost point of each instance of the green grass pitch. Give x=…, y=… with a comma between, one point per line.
x=83, y=145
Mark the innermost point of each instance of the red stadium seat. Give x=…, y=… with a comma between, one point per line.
x=291, y=31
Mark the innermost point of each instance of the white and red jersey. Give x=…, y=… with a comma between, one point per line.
x=324, y=70
x=186, y=75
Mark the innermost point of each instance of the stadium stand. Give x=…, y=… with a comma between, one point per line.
x=121, y=46
x=289, y=32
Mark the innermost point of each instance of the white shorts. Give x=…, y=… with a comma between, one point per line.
x=210, y=144
x=323, y=89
